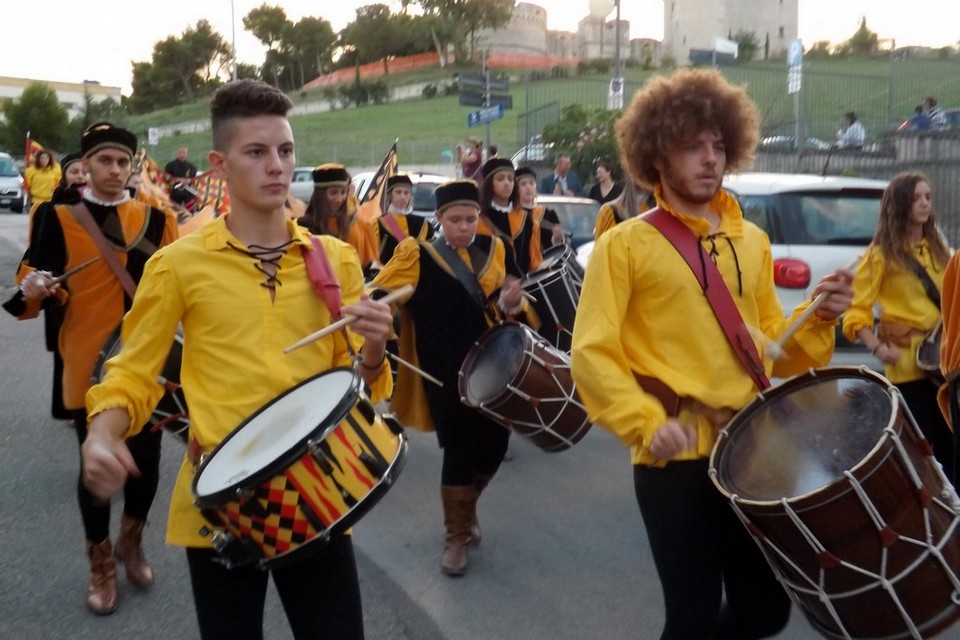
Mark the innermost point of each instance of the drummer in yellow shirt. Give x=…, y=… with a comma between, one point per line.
x=240, y=290
x=643, y=313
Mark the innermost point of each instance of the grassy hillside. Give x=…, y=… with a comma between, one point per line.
x=882, y=93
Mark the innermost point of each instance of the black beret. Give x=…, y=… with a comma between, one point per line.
x=399, y=179
x=525, y=171
x=103, y=135
x=69, y=159
x=330, y=175
x=457, y=192
x=493, y=165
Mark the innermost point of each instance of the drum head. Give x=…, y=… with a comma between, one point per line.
x=496, y=358
x=805, y=437
x=544, y=275
x=277, y=431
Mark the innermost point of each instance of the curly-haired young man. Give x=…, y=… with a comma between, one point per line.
x=644, y=320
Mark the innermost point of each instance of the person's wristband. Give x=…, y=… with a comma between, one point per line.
x=374, y=367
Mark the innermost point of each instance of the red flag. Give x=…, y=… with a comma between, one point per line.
x=373, y=202
x=31, y=149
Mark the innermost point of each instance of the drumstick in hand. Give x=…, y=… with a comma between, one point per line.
x=393, y=296
x=775, y=348
x=79, y=267
x=420, y=372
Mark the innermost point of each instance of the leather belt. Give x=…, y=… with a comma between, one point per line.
x=673, y=404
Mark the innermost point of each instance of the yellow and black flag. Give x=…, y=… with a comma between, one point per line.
x=373, y=202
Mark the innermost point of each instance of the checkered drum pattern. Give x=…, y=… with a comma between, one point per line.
x=317, y=491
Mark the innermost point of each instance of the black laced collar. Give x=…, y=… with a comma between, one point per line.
x=715, y=254
x=266, y=255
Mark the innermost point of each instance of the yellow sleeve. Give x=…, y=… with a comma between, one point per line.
x=950, y=308
x=347, y=267
x=866, y=290
x=605, y=221
x=604, y=378
x=813, y=342
x=402, y=269
x=148, y=331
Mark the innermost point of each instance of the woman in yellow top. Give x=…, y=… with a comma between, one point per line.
x=42, y=178
x=631, y=202
x=907, y=242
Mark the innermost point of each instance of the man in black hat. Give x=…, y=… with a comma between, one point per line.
x=107, y=226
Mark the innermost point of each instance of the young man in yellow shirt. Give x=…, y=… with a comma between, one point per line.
x=643, y=313
x=222, y=284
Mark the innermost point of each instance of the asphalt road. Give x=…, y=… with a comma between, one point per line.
x=563, y=557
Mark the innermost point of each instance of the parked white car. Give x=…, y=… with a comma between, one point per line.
x=815, y=224
x=12, y=194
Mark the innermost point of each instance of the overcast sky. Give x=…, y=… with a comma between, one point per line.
x=75, y=41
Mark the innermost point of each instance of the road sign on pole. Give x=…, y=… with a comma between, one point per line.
x=485, y=115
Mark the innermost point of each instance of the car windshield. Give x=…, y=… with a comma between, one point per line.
x=424, y=198
x=577, y=218
x=7, y=168
x=815, y=218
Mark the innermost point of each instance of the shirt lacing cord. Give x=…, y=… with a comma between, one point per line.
x=715, y=254
x=269, y=255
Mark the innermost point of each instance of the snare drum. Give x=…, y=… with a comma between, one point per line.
x=522, y=383
x=556, y=295
x=171, y=411
x=302, y=469
x=563, y=255
x=835, y=481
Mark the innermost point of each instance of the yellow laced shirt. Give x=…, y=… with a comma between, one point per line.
x=900, y=296
x=234, y=335
x=643, y=312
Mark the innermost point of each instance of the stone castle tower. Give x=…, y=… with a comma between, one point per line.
x=692, y=24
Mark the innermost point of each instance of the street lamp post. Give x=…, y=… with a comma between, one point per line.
x=600, y=9
x=233, y=46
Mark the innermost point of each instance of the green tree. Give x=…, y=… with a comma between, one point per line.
x=374, y=34
x=311, y=40
x=861, y=44
x=37, y=110
x=463, y=18
x=587, y=135
x=269, y=25
x=182, y=68
x=747, y=45
x=820, y=49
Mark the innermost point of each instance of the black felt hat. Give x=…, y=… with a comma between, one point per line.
x=103, y=135
x=457, y=192
x=525, y=171
x=493, y=165
x=330, y=175
x=397, y=180
x=69, y=159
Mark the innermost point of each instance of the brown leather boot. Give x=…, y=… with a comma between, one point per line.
x=102, y=596
x=129, y=550
x=480, y=481
x=457, y=509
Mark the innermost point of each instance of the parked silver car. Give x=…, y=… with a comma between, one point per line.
x=12, y=194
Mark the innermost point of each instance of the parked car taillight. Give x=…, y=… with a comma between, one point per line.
x=791, y=274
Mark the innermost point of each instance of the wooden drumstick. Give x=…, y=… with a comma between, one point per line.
x=416, y=370
x=775, y=348
x=391, y=297
x=528, y=296
x=79, y=267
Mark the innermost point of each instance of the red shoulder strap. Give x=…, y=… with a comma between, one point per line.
x=322, y=277
x=718, y=297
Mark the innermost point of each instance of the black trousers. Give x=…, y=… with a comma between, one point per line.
x=701, y=552
x=471, y=445
x=921, y=398
x=138, y=492
x=320, y=595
